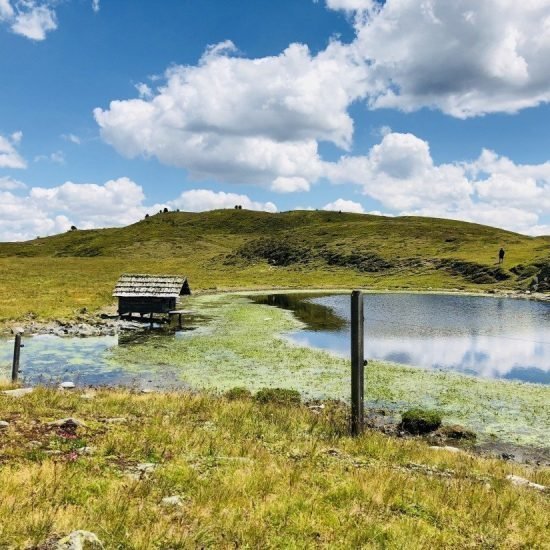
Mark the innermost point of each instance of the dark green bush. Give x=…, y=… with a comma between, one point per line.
x=420, y=421
x=281, y=396
x=238, y=393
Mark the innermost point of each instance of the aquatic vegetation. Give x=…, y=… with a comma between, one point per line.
x=245, y=346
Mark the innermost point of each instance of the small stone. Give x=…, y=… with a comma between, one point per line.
x=86, y=450
x=68, y=423
x=522, y=482
x=141, y=471
x=19, y=392
x=120, y=420
x=175, y=501
x=79, y=540
x=147, y=390
x=4, y=425
x=67, y=385
x=146, y=467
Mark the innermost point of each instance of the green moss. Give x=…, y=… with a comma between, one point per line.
x=420, y=421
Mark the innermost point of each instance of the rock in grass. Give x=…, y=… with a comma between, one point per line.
x=522, y=482
x=79, y=540
x=117, y=420
x=4, y=425
x=457, y=432
x=67, y=423
x=280, y=396
x=19, y=392
x=141, y=471
x=174, y=501
x=67, y=385
x=420, y=421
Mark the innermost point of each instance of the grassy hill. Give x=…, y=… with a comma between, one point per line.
x=230, y=249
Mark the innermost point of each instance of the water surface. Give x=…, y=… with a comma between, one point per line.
x=484, y=336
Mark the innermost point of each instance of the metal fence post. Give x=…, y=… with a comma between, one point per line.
x=357, y=362
x=16, y=354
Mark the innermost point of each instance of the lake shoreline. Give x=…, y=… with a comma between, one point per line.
x=106, y=322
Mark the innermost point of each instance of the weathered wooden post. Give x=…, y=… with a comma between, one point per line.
x=18, y=332
x=357, y=362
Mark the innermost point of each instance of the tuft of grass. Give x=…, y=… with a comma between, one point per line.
x=248, y=475
x=237, y=393
x=279, y=396
x=420, y=421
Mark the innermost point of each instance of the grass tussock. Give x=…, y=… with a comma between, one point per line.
x=258, y=475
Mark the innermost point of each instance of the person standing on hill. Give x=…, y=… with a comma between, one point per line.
x=501, y=256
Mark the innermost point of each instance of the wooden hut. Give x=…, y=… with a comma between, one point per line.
x=144, y=294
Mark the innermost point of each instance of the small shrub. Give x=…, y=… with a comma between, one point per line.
x=281, y=396
x=235, y=394
x=420, y=421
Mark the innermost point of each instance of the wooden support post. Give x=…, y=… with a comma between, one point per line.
x=16, y=355
x=151, y=320
x=357, y=362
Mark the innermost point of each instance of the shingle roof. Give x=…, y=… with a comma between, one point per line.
x=158, y=286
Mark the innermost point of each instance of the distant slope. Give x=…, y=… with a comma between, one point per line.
x=243, y=249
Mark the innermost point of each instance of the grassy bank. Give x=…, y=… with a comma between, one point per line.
x=241, y=345
x=248, y=474
x=55, y=277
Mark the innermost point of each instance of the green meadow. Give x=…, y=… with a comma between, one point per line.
x=55, y=277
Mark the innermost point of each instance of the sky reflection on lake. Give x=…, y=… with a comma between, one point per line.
x=483, y=336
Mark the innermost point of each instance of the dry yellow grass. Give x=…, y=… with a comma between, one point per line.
x=249, y=474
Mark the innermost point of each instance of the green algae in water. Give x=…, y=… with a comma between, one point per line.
x=244, y=346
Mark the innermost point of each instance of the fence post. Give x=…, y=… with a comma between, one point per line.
x=16, y=354
x=357, y=362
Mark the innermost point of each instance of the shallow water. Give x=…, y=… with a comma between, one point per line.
x=483, y=336
x=50, y=360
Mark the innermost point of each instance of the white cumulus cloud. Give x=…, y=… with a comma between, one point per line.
x=199, y=200
x=289, y=185
x=400, y=173
x=242, y=120
x=41, y=211
x=343, y=205
x=9, y=157
x=33, y=20
x=463, y=57
x=9, y=184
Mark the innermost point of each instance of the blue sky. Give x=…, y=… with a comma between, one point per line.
x=111, y=109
